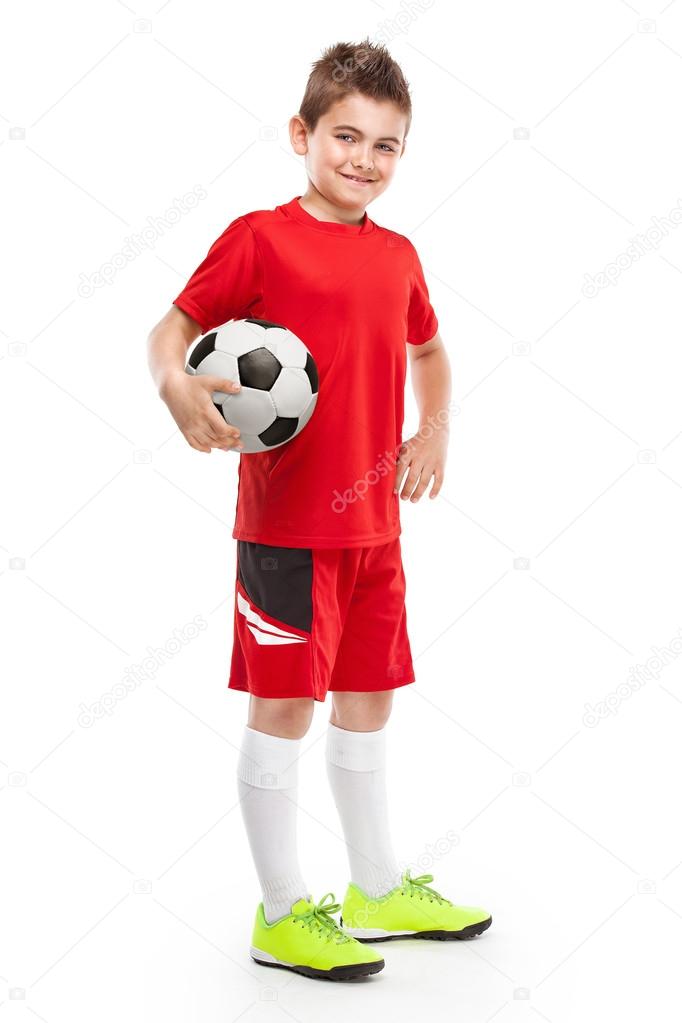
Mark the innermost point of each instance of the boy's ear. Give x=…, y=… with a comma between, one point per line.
x=298, y=134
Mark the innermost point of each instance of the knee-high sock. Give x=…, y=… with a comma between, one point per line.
x=356, y=768
x=267, y=782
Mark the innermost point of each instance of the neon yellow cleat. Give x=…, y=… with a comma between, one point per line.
x=410, y=910
x=309, y=941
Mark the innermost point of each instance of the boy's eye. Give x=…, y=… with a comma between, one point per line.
x=384, y=144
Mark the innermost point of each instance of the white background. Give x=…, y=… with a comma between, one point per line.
x=545, y=137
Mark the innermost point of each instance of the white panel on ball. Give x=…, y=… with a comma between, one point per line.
x=253, y=410
x=240, y=337
x=219, y=364
x=290, y=392
x=286, y=347
x=305, y=416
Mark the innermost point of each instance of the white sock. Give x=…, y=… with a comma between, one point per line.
x=267, y=782
x=356, y=768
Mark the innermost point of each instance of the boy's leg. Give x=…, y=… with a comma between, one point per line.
x=373, y=659
x=267, y=780
x=356, y=768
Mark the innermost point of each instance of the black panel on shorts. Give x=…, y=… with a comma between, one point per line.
x=279, y=581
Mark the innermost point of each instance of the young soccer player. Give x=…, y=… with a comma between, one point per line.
x=319, y=597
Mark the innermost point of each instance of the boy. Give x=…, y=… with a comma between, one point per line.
x=320, y=589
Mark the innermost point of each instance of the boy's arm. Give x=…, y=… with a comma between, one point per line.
x=430, y=372
x=189, y=398
x=425, y=453
x=167, y=346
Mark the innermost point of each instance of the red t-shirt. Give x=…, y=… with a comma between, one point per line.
x=354, y=294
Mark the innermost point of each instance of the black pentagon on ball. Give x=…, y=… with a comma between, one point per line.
x=204, y=348
x=282, y=429
x=259, y=368
x=311, y=369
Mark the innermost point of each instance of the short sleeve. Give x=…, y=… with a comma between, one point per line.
x=228, y=282
x=422, y=323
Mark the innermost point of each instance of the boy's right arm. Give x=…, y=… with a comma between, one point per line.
x=189, y=398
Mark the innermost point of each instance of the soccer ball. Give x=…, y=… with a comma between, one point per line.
x=278, y=378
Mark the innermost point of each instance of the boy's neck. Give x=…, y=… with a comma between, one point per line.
x=314, y=203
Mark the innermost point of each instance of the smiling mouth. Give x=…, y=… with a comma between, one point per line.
x=352, y=177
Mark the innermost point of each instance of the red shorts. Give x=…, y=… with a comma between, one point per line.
x=307, y=620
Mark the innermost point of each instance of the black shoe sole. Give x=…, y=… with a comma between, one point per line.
x=471, y=931
x=352, y=972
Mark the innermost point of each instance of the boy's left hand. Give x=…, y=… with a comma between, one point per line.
x=425, y=459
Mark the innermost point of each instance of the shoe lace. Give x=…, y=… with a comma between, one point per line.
x=420, y=886
x=319, y=916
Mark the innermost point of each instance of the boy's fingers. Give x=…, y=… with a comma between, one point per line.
x=401, y=465
x=410, y=482
x=200, y=445
x=437, y=483
x=221, y=434
x=210, y=383
x=403, y=468
x=231, y=436
x=225, y=439
x=424, y=480
x=218, y=426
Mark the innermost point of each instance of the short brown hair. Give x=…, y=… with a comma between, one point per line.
x=344, y=68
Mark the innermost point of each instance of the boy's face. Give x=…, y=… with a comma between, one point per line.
x=358, y=137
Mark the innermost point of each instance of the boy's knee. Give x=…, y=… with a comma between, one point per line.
x=288, y=718
x=361, y=712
